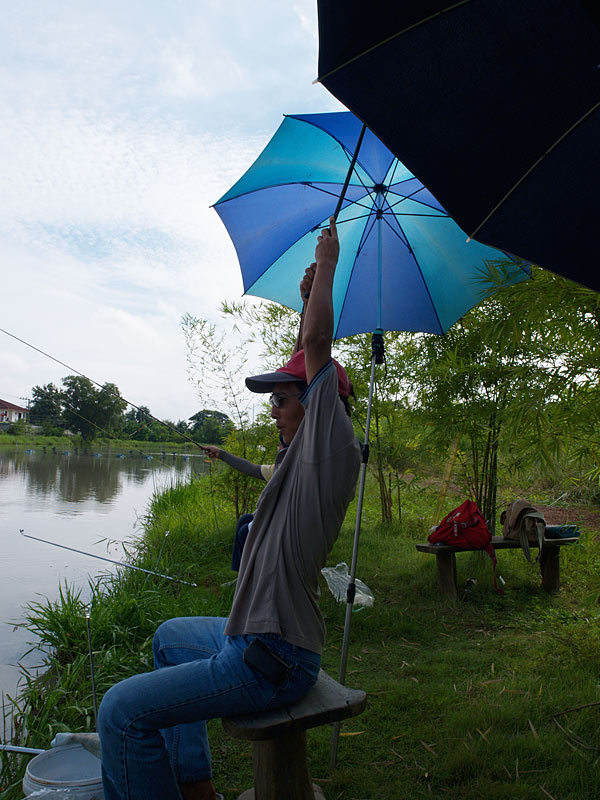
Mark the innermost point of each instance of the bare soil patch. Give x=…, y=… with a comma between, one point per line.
x=587, y=517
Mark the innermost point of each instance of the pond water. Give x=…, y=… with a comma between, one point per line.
x=83, y=499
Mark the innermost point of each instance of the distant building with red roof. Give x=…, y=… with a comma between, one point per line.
x=9, y=412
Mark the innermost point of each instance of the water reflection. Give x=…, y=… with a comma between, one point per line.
x=81, y=477
x=78, y=500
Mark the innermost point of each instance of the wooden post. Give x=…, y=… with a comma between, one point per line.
x=550, y=568
x=446, y=564
x=281, y=770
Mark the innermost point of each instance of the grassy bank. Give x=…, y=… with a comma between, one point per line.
x=471, y=700
x=62, y=443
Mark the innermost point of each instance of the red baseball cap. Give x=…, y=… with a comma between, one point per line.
x=294, y=371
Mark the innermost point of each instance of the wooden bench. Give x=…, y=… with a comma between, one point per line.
x=445, y=556
x=279, y=739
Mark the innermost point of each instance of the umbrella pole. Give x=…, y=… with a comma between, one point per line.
x=340, y=201
x=377, y=357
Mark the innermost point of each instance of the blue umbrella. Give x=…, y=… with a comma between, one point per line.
x=404, y=264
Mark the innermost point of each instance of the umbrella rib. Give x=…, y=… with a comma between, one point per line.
x=295, y=183
x=396, y=165
x=321, y=78
x=333, y=194
x=277, y=186
x=366, y=233
x=358, y=249
x=412, y=214
x=342, y=145
x=367, y=189
x=353, y=219
x=364, y=237
x=411, y=197
x=320, y=189
x=533, y=167
x=403, y=237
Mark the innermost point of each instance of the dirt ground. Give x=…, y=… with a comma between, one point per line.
x=587, y=517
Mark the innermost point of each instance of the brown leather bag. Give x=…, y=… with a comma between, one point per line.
x=523, y=522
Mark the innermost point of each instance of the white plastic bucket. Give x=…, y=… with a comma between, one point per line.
x=70, y=772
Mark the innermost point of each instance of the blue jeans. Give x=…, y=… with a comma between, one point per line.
x=241, y=534
x=153, y=726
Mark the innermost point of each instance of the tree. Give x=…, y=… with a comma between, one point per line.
x=392, y=434
x=218, y=370
x=514, y=385
x=136, y=423
x=46, y=408
x=90, y=411
x=110, y=408
x=508, y=378
x=211, y=427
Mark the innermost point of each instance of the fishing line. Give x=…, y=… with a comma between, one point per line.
x=99, y=427
x=92, y=673
x=159, y=555
x=212, y=495
x=161, y=549
x=133, y=405
x=110, y=560
x=91, y=380
x=108, y=434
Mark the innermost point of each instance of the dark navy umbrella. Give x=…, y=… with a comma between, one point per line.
x=493, y=104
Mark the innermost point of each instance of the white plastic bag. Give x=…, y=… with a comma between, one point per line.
x=338, y=579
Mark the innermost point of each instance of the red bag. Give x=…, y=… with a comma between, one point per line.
x=465, y=527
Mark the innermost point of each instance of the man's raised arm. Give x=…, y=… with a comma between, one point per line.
x=317, y=329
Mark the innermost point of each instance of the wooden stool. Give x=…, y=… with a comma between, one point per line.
x=279, y=739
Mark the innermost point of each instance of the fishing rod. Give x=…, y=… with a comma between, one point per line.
x=13, y=748
x=110, y=560
x=109, y=391
x=99, y=427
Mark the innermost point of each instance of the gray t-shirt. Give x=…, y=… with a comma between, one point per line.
x=297, y=520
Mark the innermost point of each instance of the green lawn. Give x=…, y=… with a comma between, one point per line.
x=491, y=697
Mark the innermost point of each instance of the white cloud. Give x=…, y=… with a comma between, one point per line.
x=199, y=70
x=120, y=125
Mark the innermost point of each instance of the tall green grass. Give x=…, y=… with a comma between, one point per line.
x=490, y=697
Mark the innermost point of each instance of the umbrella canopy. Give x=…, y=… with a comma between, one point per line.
x=493, y=104
x=404, y=263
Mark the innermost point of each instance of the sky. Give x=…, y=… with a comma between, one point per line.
x=121, y=122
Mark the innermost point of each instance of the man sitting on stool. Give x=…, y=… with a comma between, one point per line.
x=268, y=652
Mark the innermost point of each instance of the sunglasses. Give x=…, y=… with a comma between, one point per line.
x=278, y=400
